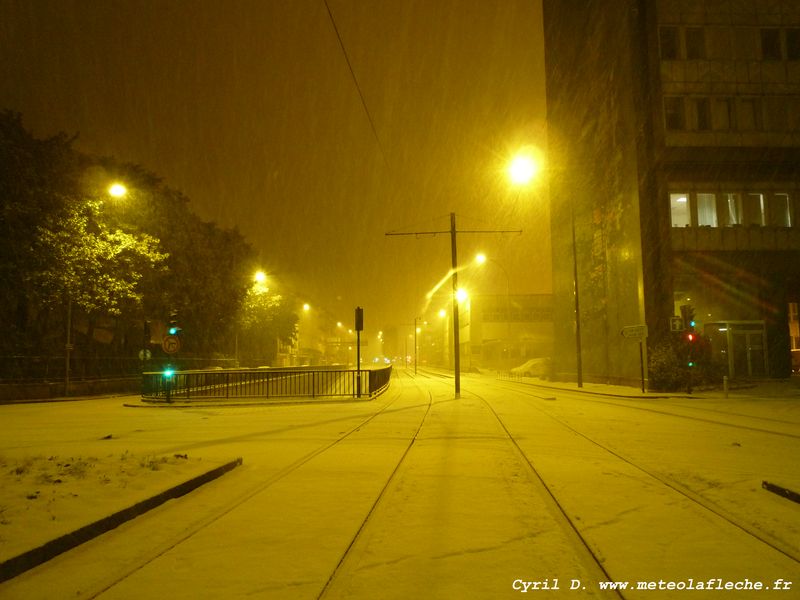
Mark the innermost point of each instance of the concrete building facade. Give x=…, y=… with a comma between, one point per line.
x=674, y=144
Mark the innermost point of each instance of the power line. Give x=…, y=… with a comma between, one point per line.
x=358, y=87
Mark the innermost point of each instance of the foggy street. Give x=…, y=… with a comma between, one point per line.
x=511, y=488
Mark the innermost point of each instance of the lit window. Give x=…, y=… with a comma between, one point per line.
x=679, y=206
x=674, y=116
x=707, y=210
x=771, y=44
x=732, y=214
x=754, y=209
x=781, y=210
x=695, y=43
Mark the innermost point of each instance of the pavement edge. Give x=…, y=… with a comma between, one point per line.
x=33, y=558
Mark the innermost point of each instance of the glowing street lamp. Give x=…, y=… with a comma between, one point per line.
x=522, y=169
x=117, y=190
x=259, y=287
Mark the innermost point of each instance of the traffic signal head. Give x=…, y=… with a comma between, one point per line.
x=687, y=312
x=173, y=328
x=691, y=341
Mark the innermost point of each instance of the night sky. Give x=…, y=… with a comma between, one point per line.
x=250, y=108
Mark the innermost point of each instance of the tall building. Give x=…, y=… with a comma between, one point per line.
x=674, y=144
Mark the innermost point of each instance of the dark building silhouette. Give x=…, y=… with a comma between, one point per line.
x=674, y=136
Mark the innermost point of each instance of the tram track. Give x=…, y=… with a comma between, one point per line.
x=590, y=555
x=762, y=537
x=634, y=405
x=378, y=499
x=585, y=554
x=209, y=518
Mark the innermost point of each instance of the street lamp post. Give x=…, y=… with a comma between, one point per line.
x=115, y=190
x=416, y=344
x=578, y=358
x=68, y=347
x=259, y=286
x=521, y=170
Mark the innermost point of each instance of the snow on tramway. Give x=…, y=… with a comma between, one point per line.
x=420, y=494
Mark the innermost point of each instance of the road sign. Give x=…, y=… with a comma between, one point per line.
x=171, y=344
x=634, y=331
x=145, y=354
x=676, y=323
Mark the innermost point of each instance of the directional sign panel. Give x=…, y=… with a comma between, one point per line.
x=171, y=344
x=634, y=331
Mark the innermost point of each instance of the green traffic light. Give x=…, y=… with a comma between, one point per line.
x=168, y=373
x=173, y=330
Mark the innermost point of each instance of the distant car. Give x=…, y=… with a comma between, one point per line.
x=535, y=367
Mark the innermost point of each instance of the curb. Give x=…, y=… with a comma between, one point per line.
x=33, y=558
x=239, y=402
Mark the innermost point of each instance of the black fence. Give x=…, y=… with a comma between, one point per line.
x=296, y=382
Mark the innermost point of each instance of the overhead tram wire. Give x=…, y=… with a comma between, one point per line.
x=358, y=87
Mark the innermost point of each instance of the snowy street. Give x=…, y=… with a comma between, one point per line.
x=511, y=489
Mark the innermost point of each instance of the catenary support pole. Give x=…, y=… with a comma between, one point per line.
x=456, y=340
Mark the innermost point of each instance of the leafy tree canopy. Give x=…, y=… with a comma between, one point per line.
x=63, y=241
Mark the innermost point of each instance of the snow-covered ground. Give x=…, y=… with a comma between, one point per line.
x=45, y=496
x=416, y=494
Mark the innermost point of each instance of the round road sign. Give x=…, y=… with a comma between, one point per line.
x=171, y=344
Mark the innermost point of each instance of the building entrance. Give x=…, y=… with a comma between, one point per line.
x=739, y=347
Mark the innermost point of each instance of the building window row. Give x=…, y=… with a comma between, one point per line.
x=726, y=113
x=748, y=43
x=728, y=209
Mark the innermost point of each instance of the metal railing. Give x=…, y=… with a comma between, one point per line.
x=297, y=382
